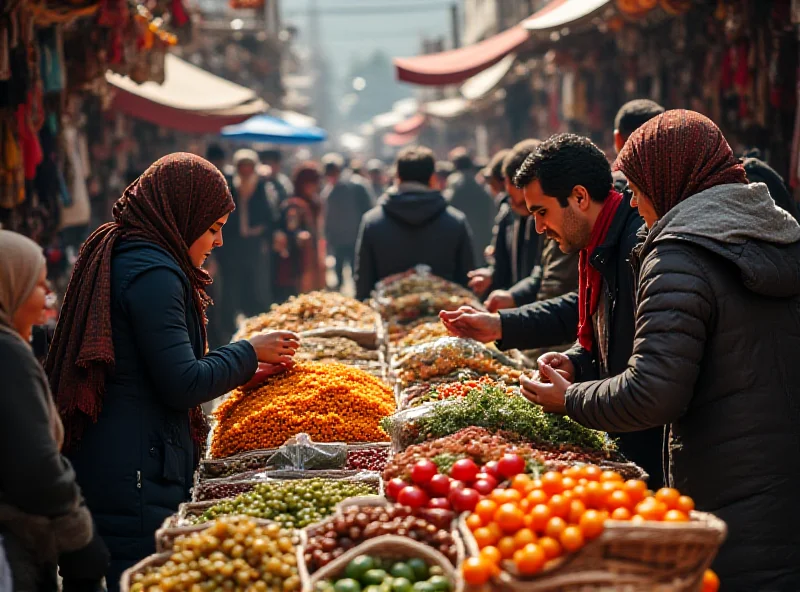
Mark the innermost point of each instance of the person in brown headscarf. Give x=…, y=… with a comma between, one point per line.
x=717, y=325
x=41, y=508
x=129, y=364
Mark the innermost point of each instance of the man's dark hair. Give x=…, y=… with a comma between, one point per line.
x=461, y=159
x=495, y=168
x=416, y=163
x=270, y=156
x=215, y=153
x=634, y=114
x=564, y=161
x=517, y=155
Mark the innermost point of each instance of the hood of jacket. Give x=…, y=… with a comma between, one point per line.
x=742, y=224
x=414, y=204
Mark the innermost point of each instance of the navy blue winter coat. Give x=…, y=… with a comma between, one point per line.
x=135, y=464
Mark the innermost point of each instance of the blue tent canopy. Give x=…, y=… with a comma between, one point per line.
x=268, y=129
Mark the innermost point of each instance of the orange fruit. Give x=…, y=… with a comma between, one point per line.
x=474, y=522
x=710, y=582
x=529, y=560
x=496, y=531
x=559, y=506
x=619, y=499
x=537, y=496
x=594, y=498
x=576, y=510
x=636, y=519
x=555, y=526
x=476, y=571
x=651, y=509
x=498, y=496
x=491, y=554
x=484, y=537
x=509, y=517
x=675, y=516
x=635, y=489
x=621, y=514
x=579, y=492
x=522, y=483
x=668, y=496
x=540, y=516
x=574, y=472
x=552, y=482
x=592, y=524
x=592, y=472
x=611, y=476
x=506, y=547
x=685, y=504
x=551, y=547
x=568, y=483
x=524, y=537
x=486, y=509
x=572, y=538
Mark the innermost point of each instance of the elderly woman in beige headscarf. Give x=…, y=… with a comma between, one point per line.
x=43, y=521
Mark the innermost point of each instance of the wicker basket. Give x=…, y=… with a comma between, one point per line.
x=126, y=582
x=390, y=547
x=654, y=556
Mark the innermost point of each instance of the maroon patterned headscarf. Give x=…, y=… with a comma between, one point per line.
x=171, y=205
x=676, y=155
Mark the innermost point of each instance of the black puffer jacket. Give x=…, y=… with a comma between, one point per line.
x=717, y=331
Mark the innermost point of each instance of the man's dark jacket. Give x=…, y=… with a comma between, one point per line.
x=556, y=321
x=469, y=197
x=135, y=465
x=517, y=248
x=412, y=225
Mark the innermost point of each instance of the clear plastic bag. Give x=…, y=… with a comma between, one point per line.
x=300, y=453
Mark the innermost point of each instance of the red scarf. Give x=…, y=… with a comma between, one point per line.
x=590, y=282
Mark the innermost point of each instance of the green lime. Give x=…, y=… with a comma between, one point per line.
x=439, y=583
x=347, y=585
x=374, y=577
x=436, y=570
x=420, y=568
x=402, y=585
x=324, y=587
x=358, y=567
x=423, y=587
x=403, y=570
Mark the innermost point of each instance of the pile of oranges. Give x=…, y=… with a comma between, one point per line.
x=535, y=521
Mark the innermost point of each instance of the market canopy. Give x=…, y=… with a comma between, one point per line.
x=482, y=84
x=457, y=65
x=189, y=100
x=559, y=13
x=264, y=128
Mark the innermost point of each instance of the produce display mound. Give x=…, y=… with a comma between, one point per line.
x=313, y=310
x=492, y=408
x=330, y=402
x=384, y=559
x=231, y=554
x=419, y=334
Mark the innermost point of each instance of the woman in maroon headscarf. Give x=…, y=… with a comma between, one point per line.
x=301, y=261
x=129, y=364
x=717, y=330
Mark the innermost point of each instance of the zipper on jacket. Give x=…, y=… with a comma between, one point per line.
x=138, y=479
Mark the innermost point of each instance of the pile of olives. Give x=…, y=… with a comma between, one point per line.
x=330, y=539
x=232, y=554
x=292, y=503
x=375, y=574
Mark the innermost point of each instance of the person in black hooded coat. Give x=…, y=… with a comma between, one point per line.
x=412, y=225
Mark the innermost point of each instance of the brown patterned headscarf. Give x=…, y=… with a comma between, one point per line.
x=171, y=205
x=676, y=155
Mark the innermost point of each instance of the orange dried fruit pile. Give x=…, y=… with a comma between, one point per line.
x=328, y=401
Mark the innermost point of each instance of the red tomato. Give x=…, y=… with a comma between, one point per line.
x=439, y=485
x=487, y=477
x=483, y=486
x=491, y=468
x=455, y=485
x=423, y=471
x=393, y=488
x=464, y=470
x=412, y=496
x=439, y=503
x=510, y=465
x=464, y=500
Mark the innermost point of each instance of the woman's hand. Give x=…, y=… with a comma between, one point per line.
x=264, y=371
x=275, y=347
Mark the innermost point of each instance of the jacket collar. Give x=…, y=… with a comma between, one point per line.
x=604, y=258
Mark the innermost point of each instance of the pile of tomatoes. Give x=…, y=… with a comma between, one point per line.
x=535, y=521
x=461, y=489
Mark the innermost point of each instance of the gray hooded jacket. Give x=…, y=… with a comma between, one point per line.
x=714, y=358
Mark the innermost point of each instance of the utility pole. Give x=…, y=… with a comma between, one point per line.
x=455, y=25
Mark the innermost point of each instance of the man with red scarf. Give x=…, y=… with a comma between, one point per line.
x=569, y=191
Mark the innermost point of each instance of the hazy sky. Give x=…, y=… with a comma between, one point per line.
x=357, y=34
